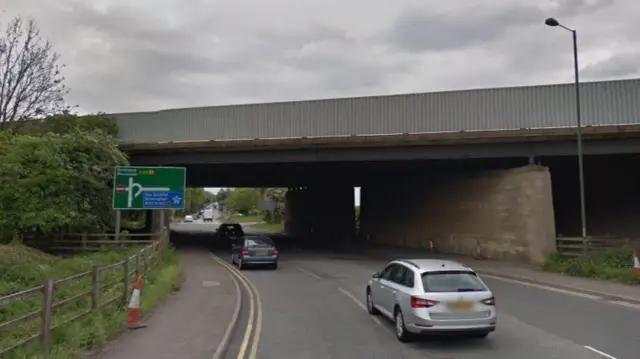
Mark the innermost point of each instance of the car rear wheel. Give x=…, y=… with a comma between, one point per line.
x=240, y=264
x=274, y=266
x=401, y=330
x=370, y=307
x=233, y=259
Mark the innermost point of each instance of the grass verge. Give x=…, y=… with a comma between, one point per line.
x=270, y=227
x=613, y=264
x=101, y=325
x=246, y=219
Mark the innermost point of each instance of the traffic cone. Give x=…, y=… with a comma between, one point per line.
x=636, y=262
x=134, y=317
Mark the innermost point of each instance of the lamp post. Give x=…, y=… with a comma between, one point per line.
x=583, y=213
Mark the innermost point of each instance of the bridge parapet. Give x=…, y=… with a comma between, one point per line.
x=537, y=107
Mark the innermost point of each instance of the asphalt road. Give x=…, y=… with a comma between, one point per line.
x=197, y=226
x=312, y=307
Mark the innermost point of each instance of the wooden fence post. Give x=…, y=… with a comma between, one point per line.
x=126, y=281
x=137, y=264
x=47, y=308
x=84, y=240
x=95, y=287
x=145, y=263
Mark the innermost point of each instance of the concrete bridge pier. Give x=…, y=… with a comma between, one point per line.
x=321, y=216
x=502, y=214
x=296, y=214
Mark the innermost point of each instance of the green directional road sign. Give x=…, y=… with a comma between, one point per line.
x=149, y=187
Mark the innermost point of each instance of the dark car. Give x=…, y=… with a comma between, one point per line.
x=254, y=250
x=229, y=232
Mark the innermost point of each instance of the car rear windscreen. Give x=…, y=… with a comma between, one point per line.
x=232, y=229
x=452, y=281
x=258, y=242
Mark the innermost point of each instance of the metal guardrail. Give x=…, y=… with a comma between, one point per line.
x=62, y=299
x=575, y=246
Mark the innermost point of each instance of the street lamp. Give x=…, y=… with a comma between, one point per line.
x=583, y=213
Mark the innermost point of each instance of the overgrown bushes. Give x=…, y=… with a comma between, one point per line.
x=55, y=176
x=609, y=264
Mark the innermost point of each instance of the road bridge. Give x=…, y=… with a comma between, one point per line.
x=516, y=108
x=491, y=170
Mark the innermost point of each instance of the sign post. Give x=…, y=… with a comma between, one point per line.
x=141, y=188
x=118, y=225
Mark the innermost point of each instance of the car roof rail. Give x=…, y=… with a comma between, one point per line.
x=411, y=263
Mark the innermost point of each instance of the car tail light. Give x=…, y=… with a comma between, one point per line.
x=489, y=301
x=275, y=251
x=245, y=252
x=422, y=303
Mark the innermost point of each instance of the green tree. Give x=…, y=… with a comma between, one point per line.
x=196, y=198
x=52, y=182
x=275, y=195
x=66, y=122
x=222, y=195
x=211, y=197
x=242, y=200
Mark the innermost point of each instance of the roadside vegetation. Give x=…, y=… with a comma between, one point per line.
x=56, y=167
x=56, y=173
x=269, y=227
x=246, y=219
x=195, y=200
x=243, y=205
x=613, y=264
x=23, y=268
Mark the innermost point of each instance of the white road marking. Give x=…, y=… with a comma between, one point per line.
x=359, y=303
x=625, y=304
x=600, y=352
x=544, y=287
x=310, y=274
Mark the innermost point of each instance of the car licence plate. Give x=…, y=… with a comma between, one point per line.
x=460, y=306
x=261, y=253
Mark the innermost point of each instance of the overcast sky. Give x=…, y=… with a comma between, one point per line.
x=137, y=55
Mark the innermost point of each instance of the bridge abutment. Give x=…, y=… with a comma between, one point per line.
x=501, y=214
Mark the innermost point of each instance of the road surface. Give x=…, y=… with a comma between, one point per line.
x=197, y=226
x=313, y=307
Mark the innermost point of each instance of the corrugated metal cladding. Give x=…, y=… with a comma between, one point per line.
x=603, y=103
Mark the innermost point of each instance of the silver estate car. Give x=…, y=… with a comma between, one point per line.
x=430, y=296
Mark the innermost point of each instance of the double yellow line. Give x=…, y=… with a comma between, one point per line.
x=251, y=339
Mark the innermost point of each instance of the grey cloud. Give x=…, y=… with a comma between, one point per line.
x=144, y=58
x=149, y=58
x=418, y=31
x=578, y=7
x=623, y=65
x=147, y=55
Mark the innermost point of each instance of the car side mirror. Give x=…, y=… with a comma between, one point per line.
x=375, y=275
